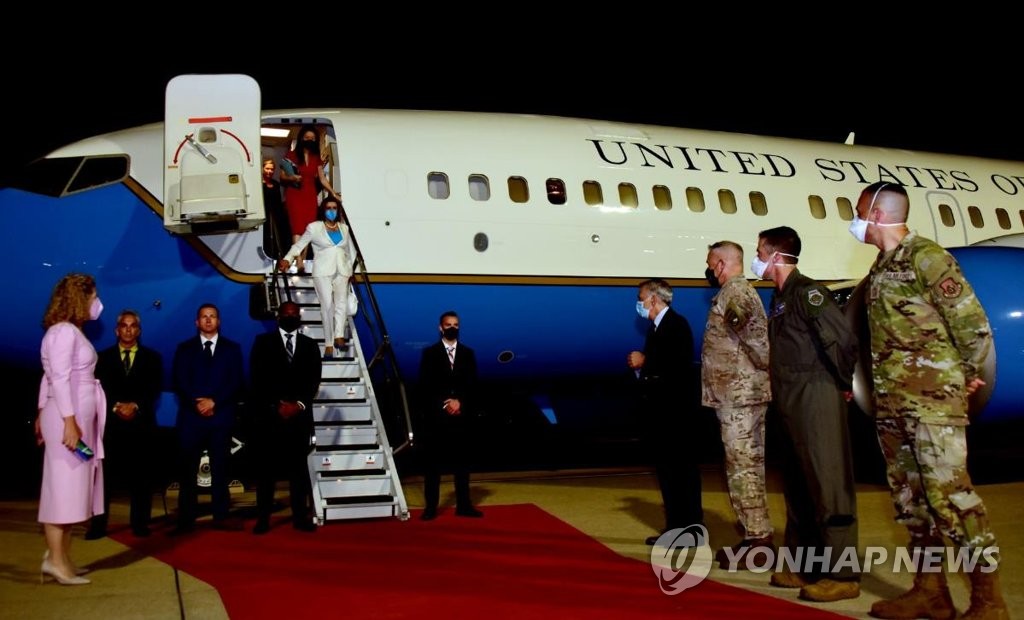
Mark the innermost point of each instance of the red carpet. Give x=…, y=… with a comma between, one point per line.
x=518, y=561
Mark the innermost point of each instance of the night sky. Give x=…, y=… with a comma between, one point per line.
x=919, y=96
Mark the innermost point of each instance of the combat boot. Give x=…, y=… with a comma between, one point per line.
x=986, y=598
x=829, y=590
x=929, y=598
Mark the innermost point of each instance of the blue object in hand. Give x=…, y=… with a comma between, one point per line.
x=83, y=451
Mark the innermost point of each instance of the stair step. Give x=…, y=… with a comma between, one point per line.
x=343, y=392
x=341, y=370
x=342, y=412
x=327, y=436
x=368, y=461
x=331, y=488
x=364, y=511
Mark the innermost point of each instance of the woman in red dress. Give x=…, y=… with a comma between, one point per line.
x=303, y=183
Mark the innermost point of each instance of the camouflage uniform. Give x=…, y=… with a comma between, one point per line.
x=929, y=337
x=814, y=352
x=734, y=381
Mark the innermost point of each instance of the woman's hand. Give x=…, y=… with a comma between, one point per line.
x=71, y=433
x=283, y=265
x=39, y=432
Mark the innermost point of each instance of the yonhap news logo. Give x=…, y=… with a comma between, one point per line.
x=681, y=558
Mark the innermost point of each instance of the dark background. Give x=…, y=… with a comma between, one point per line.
x=894, y=82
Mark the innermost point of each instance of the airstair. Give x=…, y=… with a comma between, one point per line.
x=352, y=466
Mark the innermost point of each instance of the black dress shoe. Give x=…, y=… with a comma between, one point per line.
x=228, y=524
x=428, y=515
x=182, y=529
x=304, y=526
x=468, y=512
x=262, y=527
x=141, y=531
x=94, y=533
x=652, y=540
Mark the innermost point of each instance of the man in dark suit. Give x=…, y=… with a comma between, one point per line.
x=208, y=379
x=665, y=374
x=447, y=387
x=131, y=375
x=285, y=373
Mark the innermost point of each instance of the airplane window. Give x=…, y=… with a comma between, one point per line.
x=946, y=215
x=556, y=191
x=662, y=198
x=695, y=199
x=479, y=187
x=437, y=185
x=1004, y=218
x=758, y=204
x=62, y=176
x=628, y=196
x=845, y=208
x=817, y=207
x=976, y=218
x=518, y=189
x=592, y=193
x=727, y=201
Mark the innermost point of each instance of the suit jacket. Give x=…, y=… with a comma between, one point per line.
x=328, y=259
x=194, y=376
x=668, y=365
x=275, y=378
x=141, y=385
x=439, y=381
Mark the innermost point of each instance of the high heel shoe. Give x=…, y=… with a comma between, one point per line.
x=49, y=569
x=78, y=571
x=340, y=343
x=328, y=353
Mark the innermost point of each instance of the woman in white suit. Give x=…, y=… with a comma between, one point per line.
x=332, y=268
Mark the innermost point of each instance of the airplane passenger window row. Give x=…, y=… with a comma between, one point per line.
x=843, y=204
x=439, y=188
x=977, y=218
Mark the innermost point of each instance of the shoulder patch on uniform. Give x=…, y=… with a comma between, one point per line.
x=951, y=288
x=815, y=297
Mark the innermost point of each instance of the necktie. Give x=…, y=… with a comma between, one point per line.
x=451, y=356
x=127, y=361
x=288, y=346
x=208, y=345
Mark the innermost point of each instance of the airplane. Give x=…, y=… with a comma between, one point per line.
x=535, y=229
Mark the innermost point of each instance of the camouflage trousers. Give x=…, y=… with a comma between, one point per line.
x=926, y=465
x=743, y=438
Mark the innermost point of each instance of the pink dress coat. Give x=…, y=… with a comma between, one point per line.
x=72, y=489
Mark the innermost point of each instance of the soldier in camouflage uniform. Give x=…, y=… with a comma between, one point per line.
x=734, y=382
x=929, y=338
x=813, y=353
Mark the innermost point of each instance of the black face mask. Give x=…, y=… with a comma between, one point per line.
x=712, y=278
x=451, y=333
x=310, y=145
x=289, y=323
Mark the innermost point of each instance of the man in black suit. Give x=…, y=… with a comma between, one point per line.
x=131, y=375
x=208, y=379
x=665, y=374
x=285, y=374
x=447, y=386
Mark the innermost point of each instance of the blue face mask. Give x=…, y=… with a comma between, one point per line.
x=331, y=214
x=643, y=312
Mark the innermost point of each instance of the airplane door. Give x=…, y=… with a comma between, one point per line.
x=948, y=226
x=212, y=154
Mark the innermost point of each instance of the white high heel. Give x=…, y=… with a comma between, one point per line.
x=49, y=569
x=78, y=571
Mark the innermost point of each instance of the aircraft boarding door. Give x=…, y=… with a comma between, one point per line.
x=949, y=229
x=212, y=154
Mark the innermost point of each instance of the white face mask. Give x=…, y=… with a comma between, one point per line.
x=95, y=308
x=859, y=228
x=759, y=267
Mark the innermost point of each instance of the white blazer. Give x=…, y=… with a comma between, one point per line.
x=329, y=259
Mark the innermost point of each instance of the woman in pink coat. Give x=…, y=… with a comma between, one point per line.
x=71, y=413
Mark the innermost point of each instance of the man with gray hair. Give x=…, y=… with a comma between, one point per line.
x=664, y=371
x=734, y=382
